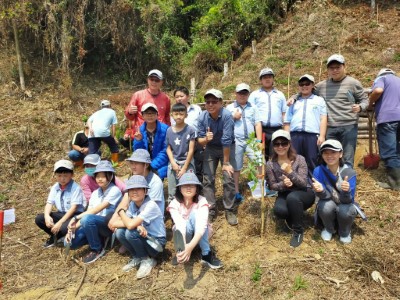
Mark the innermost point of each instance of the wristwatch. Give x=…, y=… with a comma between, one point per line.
x=121, y=209
x=258, y=141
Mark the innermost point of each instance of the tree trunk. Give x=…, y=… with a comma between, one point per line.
x=372, y=7
x=20, y=69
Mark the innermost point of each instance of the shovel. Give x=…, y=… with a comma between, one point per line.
x=371, y=161
x=179, y=242
x=153, y=243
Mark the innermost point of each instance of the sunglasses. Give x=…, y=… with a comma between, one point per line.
x=211, y=102
x=154, y=79
x=281, y=144
x=305, y=83
x=243, y=93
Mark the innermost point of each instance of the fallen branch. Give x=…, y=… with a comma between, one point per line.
x=374, y=191
x=337, y=281
x=84, y=274
x=19, y=242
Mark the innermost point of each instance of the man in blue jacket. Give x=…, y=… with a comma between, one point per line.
x=151, y=136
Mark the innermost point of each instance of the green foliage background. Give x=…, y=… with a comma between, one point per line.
x=122, y=39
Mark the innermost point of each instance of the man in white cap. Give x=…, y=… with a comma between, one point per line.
x=345, y=99
x=152, y=94
x=271, y=104
x=216, y=134
x=102, y=128
x=247, y=121
x=385, y=98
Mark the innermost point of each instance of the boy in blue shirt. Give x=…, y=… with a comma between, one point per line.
x=67, y=196
x=180, y=142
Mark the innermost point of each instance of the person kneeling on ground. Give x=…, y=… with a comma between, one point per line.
x=90, y=227
x=287, y=173
x=80, y=146
x=142, y=218
x=189, y=211
x=67, y=197
x=334, y=184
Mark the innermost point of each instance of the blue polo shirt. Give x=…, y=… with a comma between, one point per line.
x=387, y=108
x=245, y=125
x=222, y=128
x=112, y=195
x=270, y=105
x=63, y=200
x=304, y=115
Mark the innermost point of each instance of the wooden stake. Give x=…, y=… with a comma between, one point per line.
x=377, y=14
x=320, y=71
x=263, y=206
x=272, y=42
x=288, y=83
x=1, y=231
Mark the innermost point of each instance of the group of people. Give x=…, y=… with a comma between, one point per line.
x=310, y=141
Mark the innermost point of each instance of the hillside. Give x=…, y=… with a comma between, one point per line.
x=35, y=131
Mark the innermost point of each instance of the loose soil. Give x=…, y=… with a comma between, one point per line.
x=35, y=132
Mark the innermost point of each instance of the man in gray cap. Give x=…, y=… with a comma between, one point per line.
x=345, y=99
x=385, y=98
x=152, y=94
x=216, y=135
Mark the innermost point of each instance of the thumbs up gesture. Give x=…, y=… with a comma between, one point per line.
x=317, y=186
x=237, y=114
x=286, y=181
x=345, y=184
x=138, y=135
x=287, y=167
x=209, y=135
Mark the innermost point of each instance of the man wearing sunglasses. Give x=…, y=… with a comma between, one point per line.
x=271, y=105
x=152, y=94
x=345, y=99
x=306, y=119
x=216, y=134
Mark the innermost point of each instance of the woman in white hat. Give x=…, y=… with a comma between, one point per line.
x=287, y=173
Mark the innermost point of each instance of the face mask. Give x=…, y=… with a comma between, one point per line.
x=90, y=171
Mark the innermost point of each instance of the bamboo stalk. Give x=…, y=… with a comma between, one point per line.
x=263, y=206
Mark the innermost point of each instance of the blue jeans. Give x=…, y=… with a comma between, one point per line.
x=136, y=244
x=388, y=140
x=92, y=231
x=75, y=155
x=347, y=136
x=95, y=143
x=190, y=231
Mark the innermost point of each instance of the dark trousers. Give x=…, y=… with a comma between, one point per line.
x=305, y=144
x=291, y=206
x=57, y=216
x=268, y=136
x=95, y=143
x=198, y=157
x=347, y=136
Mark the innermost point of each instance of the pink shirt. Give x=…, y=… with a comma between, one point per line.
x=89, y=185
x=140, y=98
x=180, y=215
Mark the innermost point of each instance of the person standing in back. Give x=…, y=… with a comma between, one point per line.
x=345, y=99
x=152, y=94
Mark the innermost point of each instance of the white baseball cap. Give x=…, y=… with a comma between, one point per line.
x=308, y=77
x=331, y=145
x=385, y=71
x=266, y=71
x=63, y=164
x=156, y=73
x=105, y=103
x=242, y=87
x=148, y=105
x=216, y=93
x=280, y=133
x=335, y=57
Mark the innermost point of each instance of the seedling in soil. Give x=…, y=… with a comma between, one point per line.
x=257, y=273
x=299, y=283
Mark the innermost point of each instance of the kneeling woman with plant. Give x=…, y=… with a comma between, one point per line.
x=287, y=174
x=335, y=184
x=142, y=219
x=90, y=227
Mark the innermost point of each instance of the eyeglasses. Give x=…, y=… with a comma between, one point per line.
x=308, y=83
x=154, y=79
x=211, y=102
x=243, y=93
x=149, y=113
x=281, y=144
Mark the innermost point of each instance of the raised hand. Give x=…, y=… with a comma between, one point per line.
x=345, y=184
x=287, y=167
x=237, y=114
x=138, y=135
x=209, y=135
x=286, y=181
x=317, y=186
x=132, y=109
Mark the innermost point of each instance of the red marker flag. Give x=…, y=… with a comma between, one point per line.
x=1, y=222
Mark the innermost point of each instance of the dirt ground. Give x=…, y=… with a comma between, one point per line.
x=34, y=134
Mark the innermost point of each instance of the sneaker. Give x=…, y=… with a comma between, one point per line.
x=93, y=256
x=49, y=242
x=297, y=239
x=174, y=261
x=146, y=265
x=212, y=214
x=134, y=262
x=231, y=217
x=211, y=261
x=326, y=235
x=345, y=239
x=239, y=198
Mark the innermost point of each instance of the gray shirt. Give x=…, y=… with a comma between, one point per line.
x=179, y=141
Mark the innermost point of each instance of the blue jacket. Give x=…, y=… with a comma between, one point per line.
x=159, y=162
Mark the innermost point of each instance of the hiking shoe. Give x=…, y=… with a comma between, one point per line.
x=211, y=261
x=212, y=214
x=345, y=239
x=231, y=217
x=49, y=242
x=326, y=235
x=146, y=265
x=297, y=239
x=134, y=262
x=239, y=198
x=93, y=256
x=174, y=261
